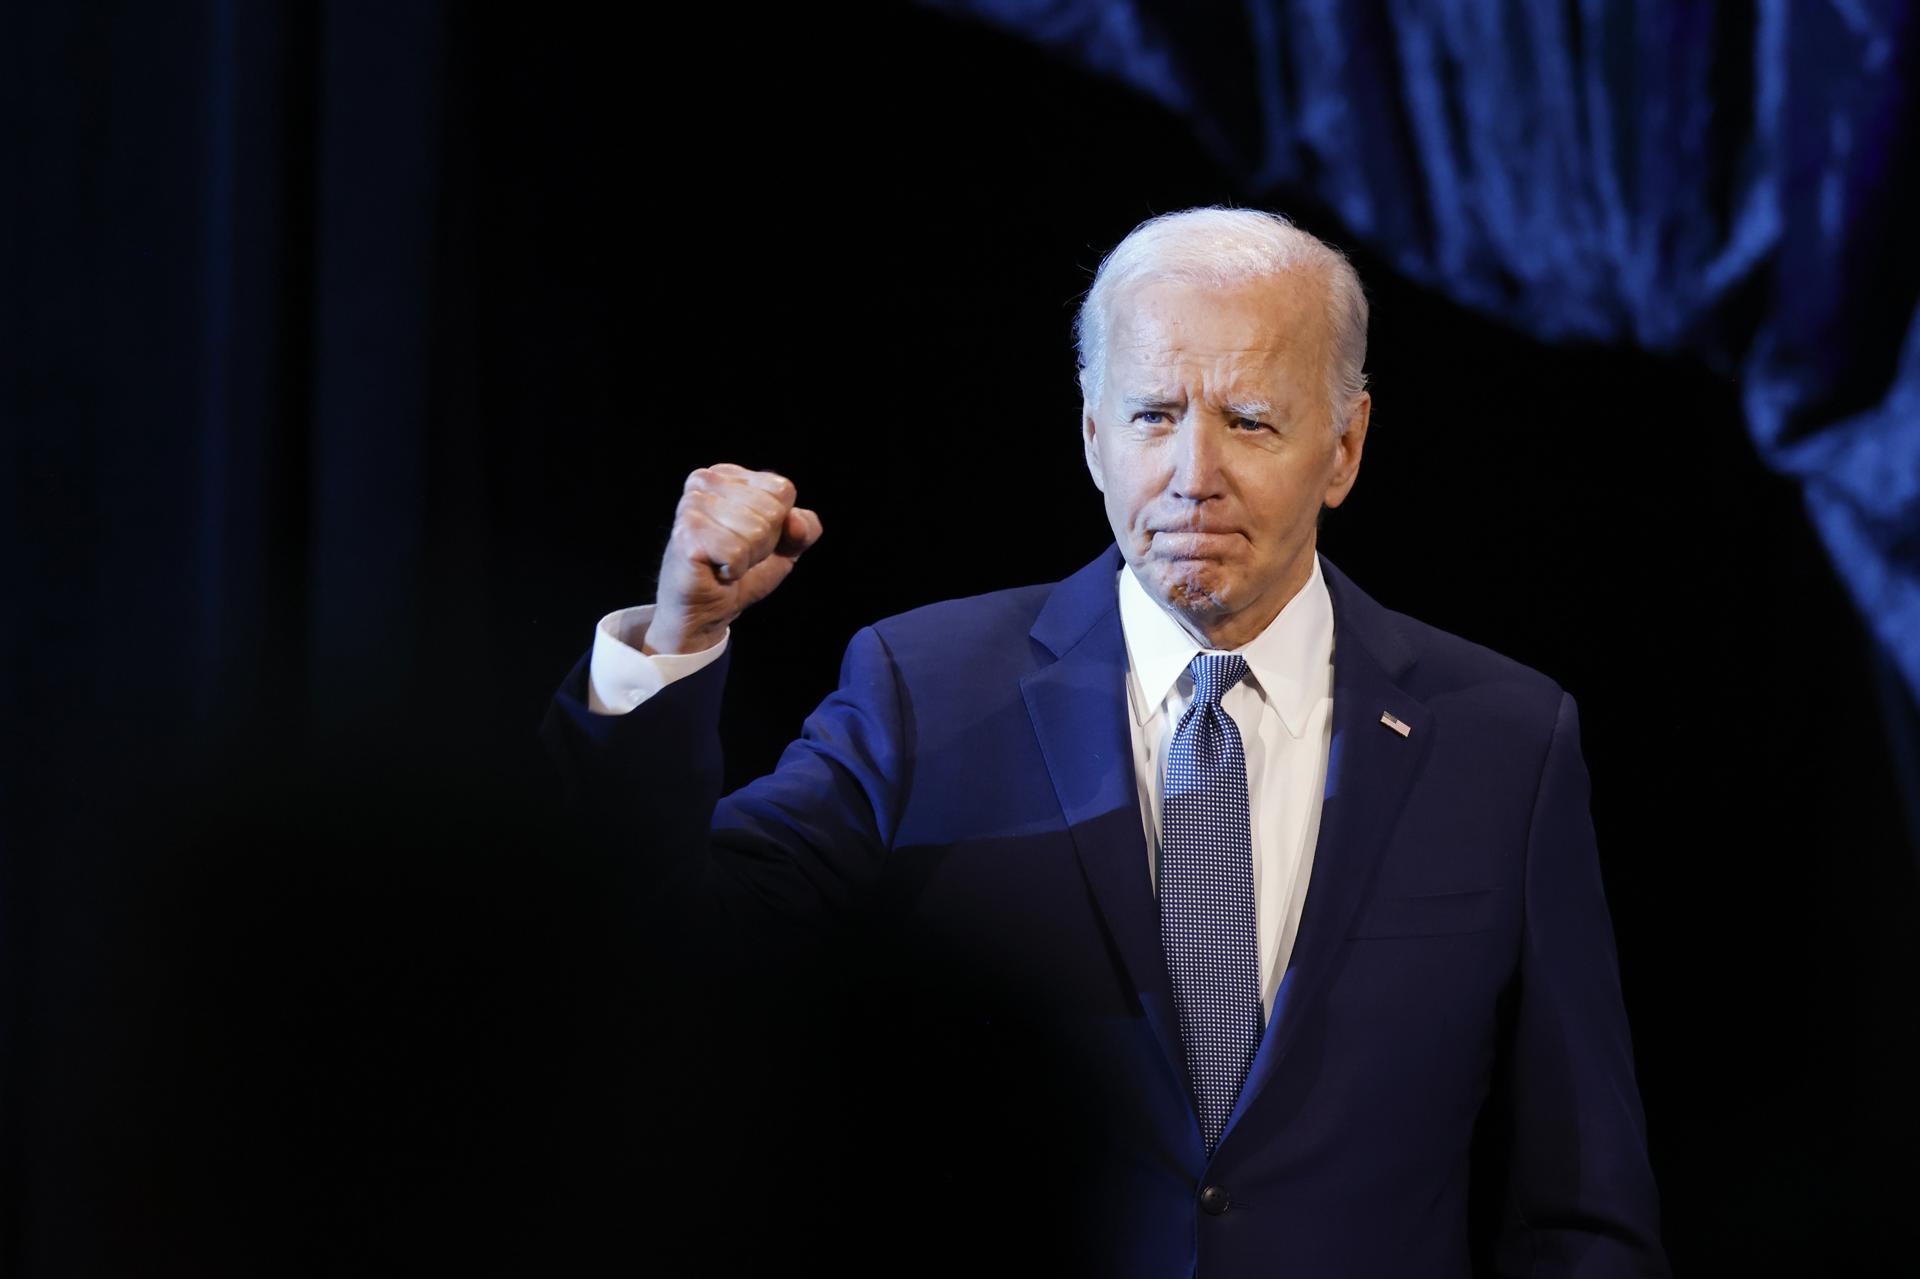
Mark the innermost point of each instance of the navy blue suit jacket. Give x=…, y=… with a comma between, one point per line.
x=1446, y=1084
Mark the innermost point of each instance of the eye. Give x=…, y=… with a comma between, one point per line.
x=1251, y=424
x=1152, y=417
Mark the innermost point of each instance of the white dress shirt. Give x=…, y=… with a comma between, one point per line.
x=1283, y=709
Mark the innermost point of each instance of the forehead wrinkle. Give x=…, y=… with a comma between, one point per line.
x=1242, y=391
x=1157, y=363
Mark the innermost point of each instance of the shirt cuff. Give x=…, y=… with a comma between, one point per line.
x=620, y=676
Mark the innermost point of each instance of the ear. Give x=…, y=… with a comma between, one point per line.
x=1087, y=430
x=1346, y=451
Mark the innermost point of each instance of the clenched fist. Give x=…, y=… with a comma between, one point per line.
x=736, y=536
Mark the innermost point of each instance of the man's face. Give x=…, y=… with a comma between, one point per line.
x=1212, y=446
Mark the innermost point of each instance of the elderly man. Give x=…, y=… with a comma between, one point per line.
x=1248, y=926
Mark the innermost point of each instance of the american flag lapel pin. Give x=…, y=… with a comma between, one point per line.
x=1397, y=726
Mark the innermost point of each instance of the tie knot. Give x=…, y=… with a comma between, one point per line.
x=1213, y=674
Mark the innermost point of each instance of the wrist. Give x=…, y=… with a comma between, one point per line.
x=668, y=636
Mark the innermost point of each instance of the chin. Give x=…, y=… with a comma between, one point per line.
x=1194, y=587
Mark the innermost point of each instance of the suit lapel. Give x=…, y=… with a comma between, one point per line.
x=1078, y=705
x=1370, y=768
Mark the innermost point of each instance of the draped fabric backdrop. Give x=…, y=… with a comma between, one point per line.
x=352, y=356
x=1735, y=182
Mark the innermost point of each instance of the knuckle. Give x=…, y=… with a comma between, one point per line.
x=765, y=508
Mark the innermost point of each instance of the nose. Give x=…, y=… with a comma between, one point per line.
x=1197, y=460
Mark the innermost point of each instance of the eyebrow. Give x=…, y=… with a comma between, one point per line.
x=1159, y=400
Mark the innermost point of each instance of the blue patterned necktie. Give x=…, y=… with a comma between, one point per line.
x=1206, y=894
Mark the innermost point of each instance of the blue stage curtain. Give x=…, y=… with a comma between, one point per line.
x=1732, y=182
x=220, y=349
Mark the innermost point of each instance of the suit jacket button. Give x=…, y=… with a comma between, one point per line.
x=1213, y=1200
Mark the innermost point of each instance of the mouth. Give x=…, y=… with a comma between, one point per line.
x=1191, y=543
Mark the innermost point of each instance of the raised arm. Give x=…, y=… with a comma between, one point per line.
x=790, y=849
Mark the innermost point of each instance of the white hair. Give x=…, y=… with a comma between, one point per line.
x=1220, y=247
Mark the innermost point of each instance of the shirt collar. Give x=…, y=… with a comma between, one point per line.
x=1290, y=660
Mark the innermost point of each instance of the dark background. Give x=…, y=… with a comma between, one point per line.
x=355, y=363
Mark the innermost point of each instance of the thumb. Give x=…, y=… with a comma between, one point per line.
x=800, y=532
